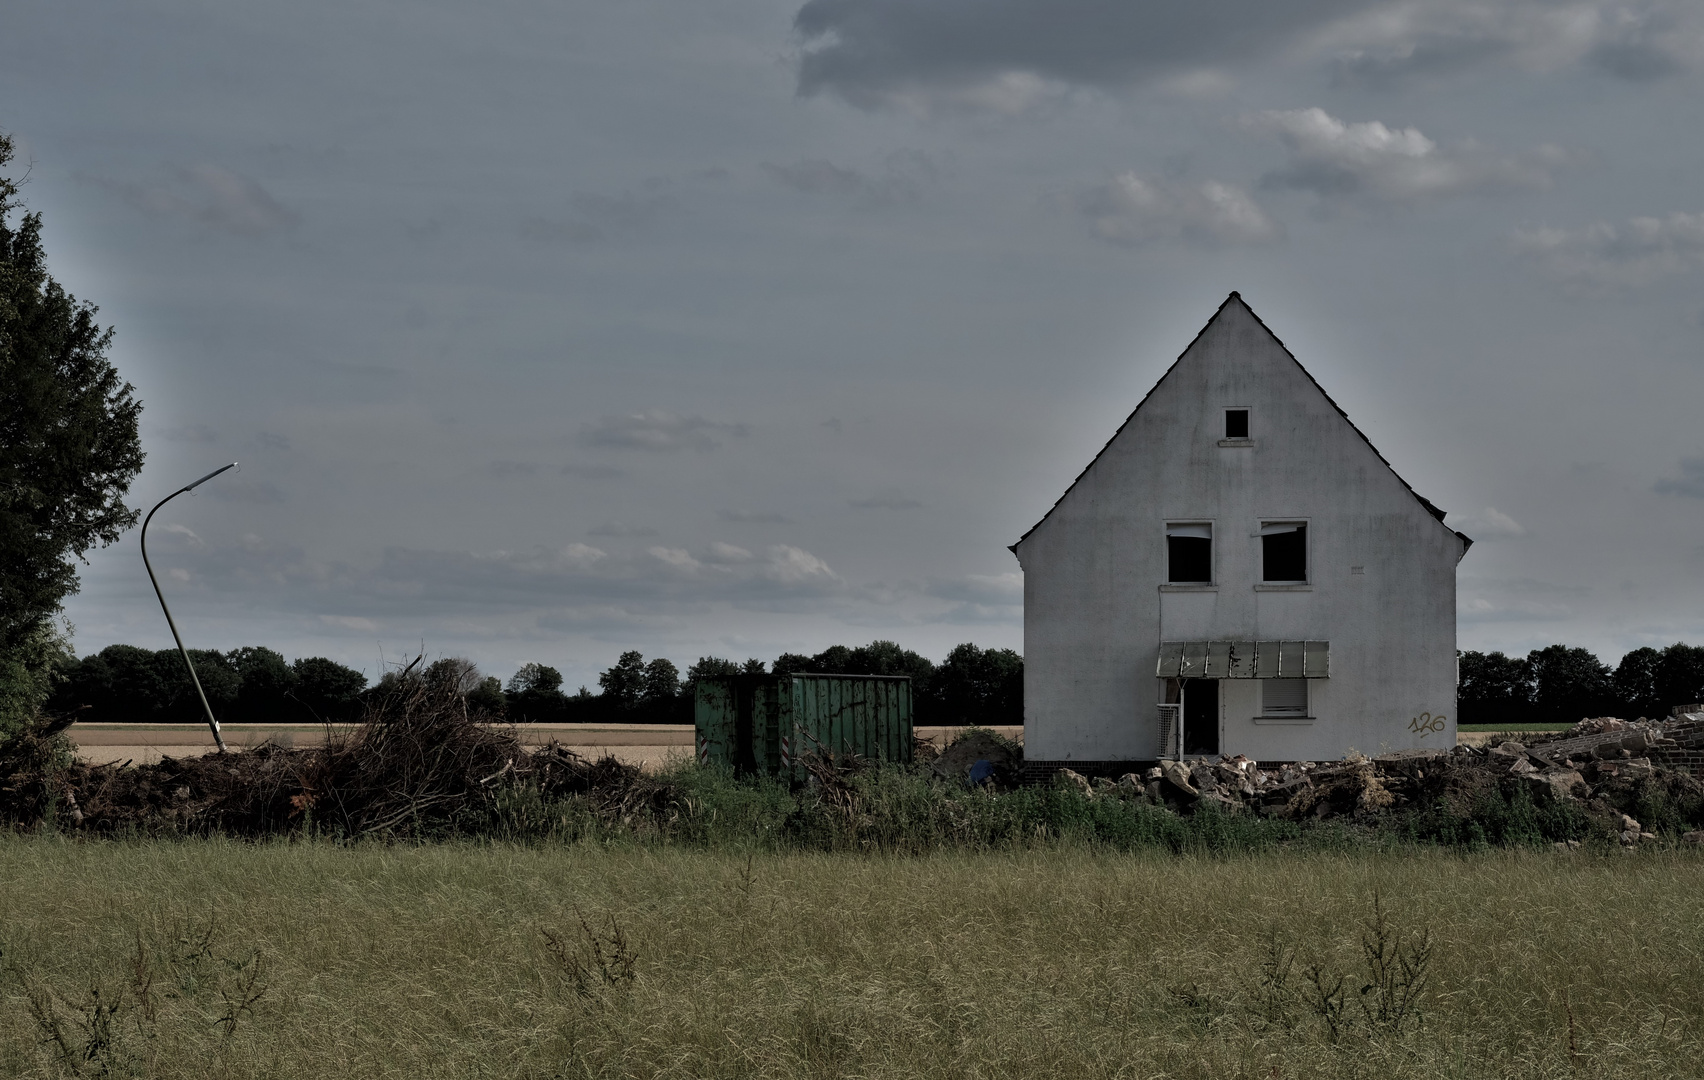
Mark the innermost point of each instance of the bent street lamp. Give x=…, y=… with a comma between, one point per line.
x=212, y=723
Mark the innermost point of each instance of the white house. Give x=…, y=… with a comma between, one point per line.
x=1238, y=571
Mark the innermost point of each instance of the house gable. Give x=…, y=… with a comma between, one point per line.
x=1234, y=309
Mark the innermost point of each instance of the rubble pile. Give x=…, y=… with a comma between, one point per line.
x=420, y=764
x=1605, y=767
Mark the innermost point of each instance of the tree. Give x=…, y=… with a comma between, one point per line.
x=1635, y=682
x=1680, y=676
x=266, y=687
x=711, y=667
x=624, y=684
x=979, y=686
x=662, y=681
x=535, y=695
x=69, y=446
x=536, y=679
x=327, y=690
x=1493, y=688
x=1569, y=684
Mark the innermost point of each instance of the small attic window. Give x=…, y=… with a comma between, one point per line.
x=1283, y=551
x=1189, y=554
x=1236, y=423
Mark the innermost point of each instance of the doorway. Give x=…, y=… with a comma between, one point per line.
x=1201, y=717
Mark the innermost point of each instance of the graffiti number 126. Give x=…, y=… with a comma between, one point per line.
x=1426, y=723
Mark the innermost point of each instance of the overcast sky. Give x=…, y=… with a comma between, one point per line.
x=544, y=331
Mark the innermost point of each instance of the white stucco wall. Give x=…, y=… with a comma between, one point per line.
x=1096, y=605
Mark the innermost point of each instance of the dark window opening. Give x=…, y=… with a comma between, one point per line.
x=1284, y=552
x=1236, y=423
x=1201, y=716
x=1189, y=554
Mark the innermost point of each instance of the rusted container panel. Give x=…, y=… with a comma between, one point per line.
x=767, y=723
x=867, y=715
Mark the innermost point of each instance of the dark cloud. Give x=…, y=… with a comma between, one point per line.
x=1396, y=43
x=1007, y=55
x=1690, y=482
x=1003, y=54
x=660, y=431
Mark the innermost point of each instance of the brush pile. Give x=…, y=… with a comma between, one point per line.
x=1607, y=769
x=421, y=763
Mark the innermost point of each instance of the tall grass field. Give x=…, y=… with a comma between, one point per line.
x=214, y=958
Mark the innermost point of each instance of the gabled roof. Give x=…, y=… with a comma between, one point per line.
x=1235, y=297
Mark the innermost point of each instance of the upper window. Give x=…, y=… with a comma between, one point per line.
x=1283, y=551
x=1236, y=423
x=1189, y=554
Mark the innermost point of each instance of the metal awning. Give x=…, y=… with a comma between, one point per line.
x=1244, y=660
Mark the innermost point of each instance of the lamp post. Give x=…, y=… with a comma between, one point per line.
x=212, y=723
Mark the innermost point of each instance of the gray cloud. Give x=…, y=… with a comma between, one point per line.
x=987, y=590
x=748, y=517
x=1131, y=210
x=272, y=441
x=505, y=470
x=902, y=177
x=212, y=195
x=1690, y=482
x=1515, y=599
x=257, y=491
x=189, y=433
x=1366, y=161
x=616, y=528
x=1424, y=39
x=1601, y=254
x=1487, y=524
x=592, y=472
x=1008, y=55
x=659, y=430
x=594, y=217
x=581, y=574
x=891, y=500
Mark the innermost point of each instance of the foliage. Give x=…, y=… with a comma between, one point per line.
x=69, y=443
x=29, y=672
x=254, y=684
x=978, y=686
x=69, y=446
x=1559, y=684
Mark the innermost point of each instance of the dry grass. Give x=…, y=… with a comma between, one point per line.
x=464, y=961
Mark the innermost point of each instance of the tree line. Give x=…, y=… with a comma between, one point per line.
x=1560, y=685
x=127, y=684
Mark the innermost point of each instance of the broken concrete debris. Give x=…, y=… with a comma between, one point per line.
x=1604, y=766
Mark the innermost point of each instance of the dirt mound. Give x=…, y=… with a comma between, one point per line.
x=980, y=756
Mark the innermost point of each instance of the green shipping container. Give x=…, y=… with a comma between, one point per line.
x=766, y=723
